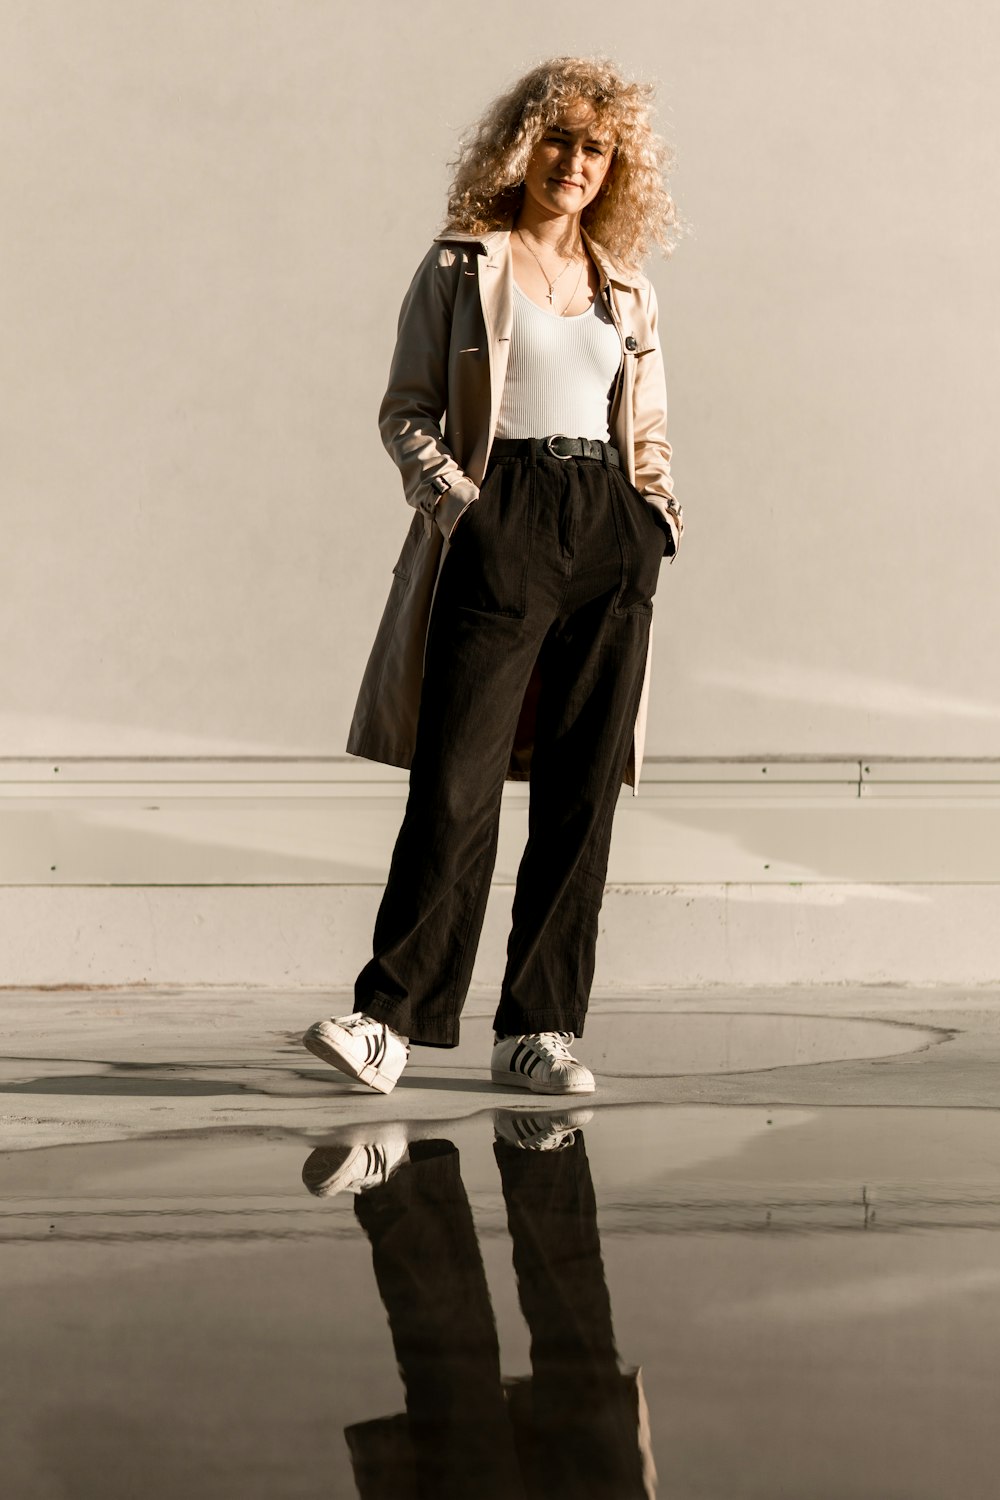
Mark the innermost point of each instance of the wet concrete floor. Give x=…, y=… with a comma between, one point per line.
x=472, y=1292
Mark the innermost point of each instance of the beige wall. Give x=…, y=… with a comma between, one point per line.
x=211, y=209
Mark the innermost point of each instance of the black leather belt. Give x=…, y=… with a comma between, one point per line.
x=556, y=446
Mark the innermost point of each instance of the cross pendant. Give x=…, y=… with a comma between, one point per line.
x=550, y=297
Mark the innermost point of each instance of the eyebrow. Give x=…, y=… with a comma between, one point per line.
x=592, y=140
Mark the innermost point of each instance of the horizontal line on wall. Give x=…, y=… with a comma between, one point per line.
x=289, y=776
x=621, y=887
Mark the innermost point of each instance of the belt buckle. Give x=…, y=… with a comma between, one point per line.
x=554, y=437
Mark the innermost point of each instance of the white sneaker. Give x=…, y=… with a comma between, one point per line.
x=361, y=1047
x=551, y=1132
x=356, y=1167
x=541, y=1062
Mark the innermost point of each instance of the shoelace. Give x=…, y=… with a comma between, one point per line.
x=357, y=1019
x=552, y=1045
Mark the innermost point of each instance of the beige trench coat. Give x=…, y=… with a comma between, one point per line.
x=450, y=362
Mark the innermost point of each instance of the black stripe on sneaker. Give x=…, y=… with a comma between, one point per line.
x=369, y=1039
x=515, y=1057
x=532, y=1065
x=379, y=1048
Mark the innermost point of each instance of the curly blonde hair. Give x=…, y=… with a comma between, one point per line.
x=633, y=210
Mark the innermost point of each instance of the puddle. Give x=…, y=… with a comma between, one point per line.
x=622, y=1044
x=648, y=1300
x=625, y=1043
x=688, y=1042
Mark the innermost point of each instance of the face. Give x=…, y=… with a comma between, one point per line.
x=567, y=167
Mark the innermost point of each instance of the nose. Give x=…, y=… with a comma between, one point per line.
x=573, y=155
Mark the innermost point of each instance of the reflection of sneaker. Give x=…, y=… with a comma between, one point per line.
x=361, y=1047
x=539, y=1132
x=356, y=1167
x=541, y=1062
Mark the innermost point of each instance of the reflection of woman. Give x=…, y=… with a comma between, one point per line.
x=525, y=321
x=577, y=1429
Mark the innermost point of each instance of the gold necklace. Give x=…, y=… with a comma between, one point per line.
x=574, y=291
x=550, y=284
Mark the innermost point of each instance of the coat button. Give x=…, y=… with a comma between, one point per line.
x=630, y=344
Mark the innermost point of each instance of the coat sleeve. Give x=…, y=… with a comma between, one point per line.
x=652, y=449
x=417, y=394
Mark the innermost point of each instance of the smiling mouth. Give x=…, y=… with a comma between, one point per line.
x=565, y=182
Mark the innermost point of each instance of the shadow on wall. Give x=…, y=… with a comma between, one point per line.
x=785, y=683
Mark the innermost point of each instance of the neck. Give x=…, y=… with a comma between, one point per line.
x=557, y=232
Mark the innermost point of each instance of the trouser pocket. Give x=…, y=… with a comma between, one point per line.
x=490, y=550
x=641, y=542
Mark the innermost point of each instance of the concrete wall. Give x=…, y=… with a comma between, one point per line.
x=735, y=872
x=210, y=214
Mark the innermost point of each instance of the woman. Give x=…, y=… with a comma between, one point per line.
x=515, y=642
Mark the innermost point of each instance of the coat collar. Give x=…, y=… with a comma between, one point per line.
x=494, y=243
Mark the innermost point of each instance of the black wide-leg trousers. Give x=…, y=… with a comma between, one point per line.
x=555, y=564
x=570, y=1432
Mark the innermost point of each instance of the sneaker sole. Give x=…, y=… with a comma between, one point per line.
x=365, y=1073
x=522, y=1081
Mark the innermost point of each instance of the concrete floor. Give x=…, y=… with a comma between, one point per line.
x=111, y=1064
x=792, y=1198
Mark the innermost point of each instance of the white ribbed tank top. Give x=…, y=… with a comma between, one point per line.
x=559, y=373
